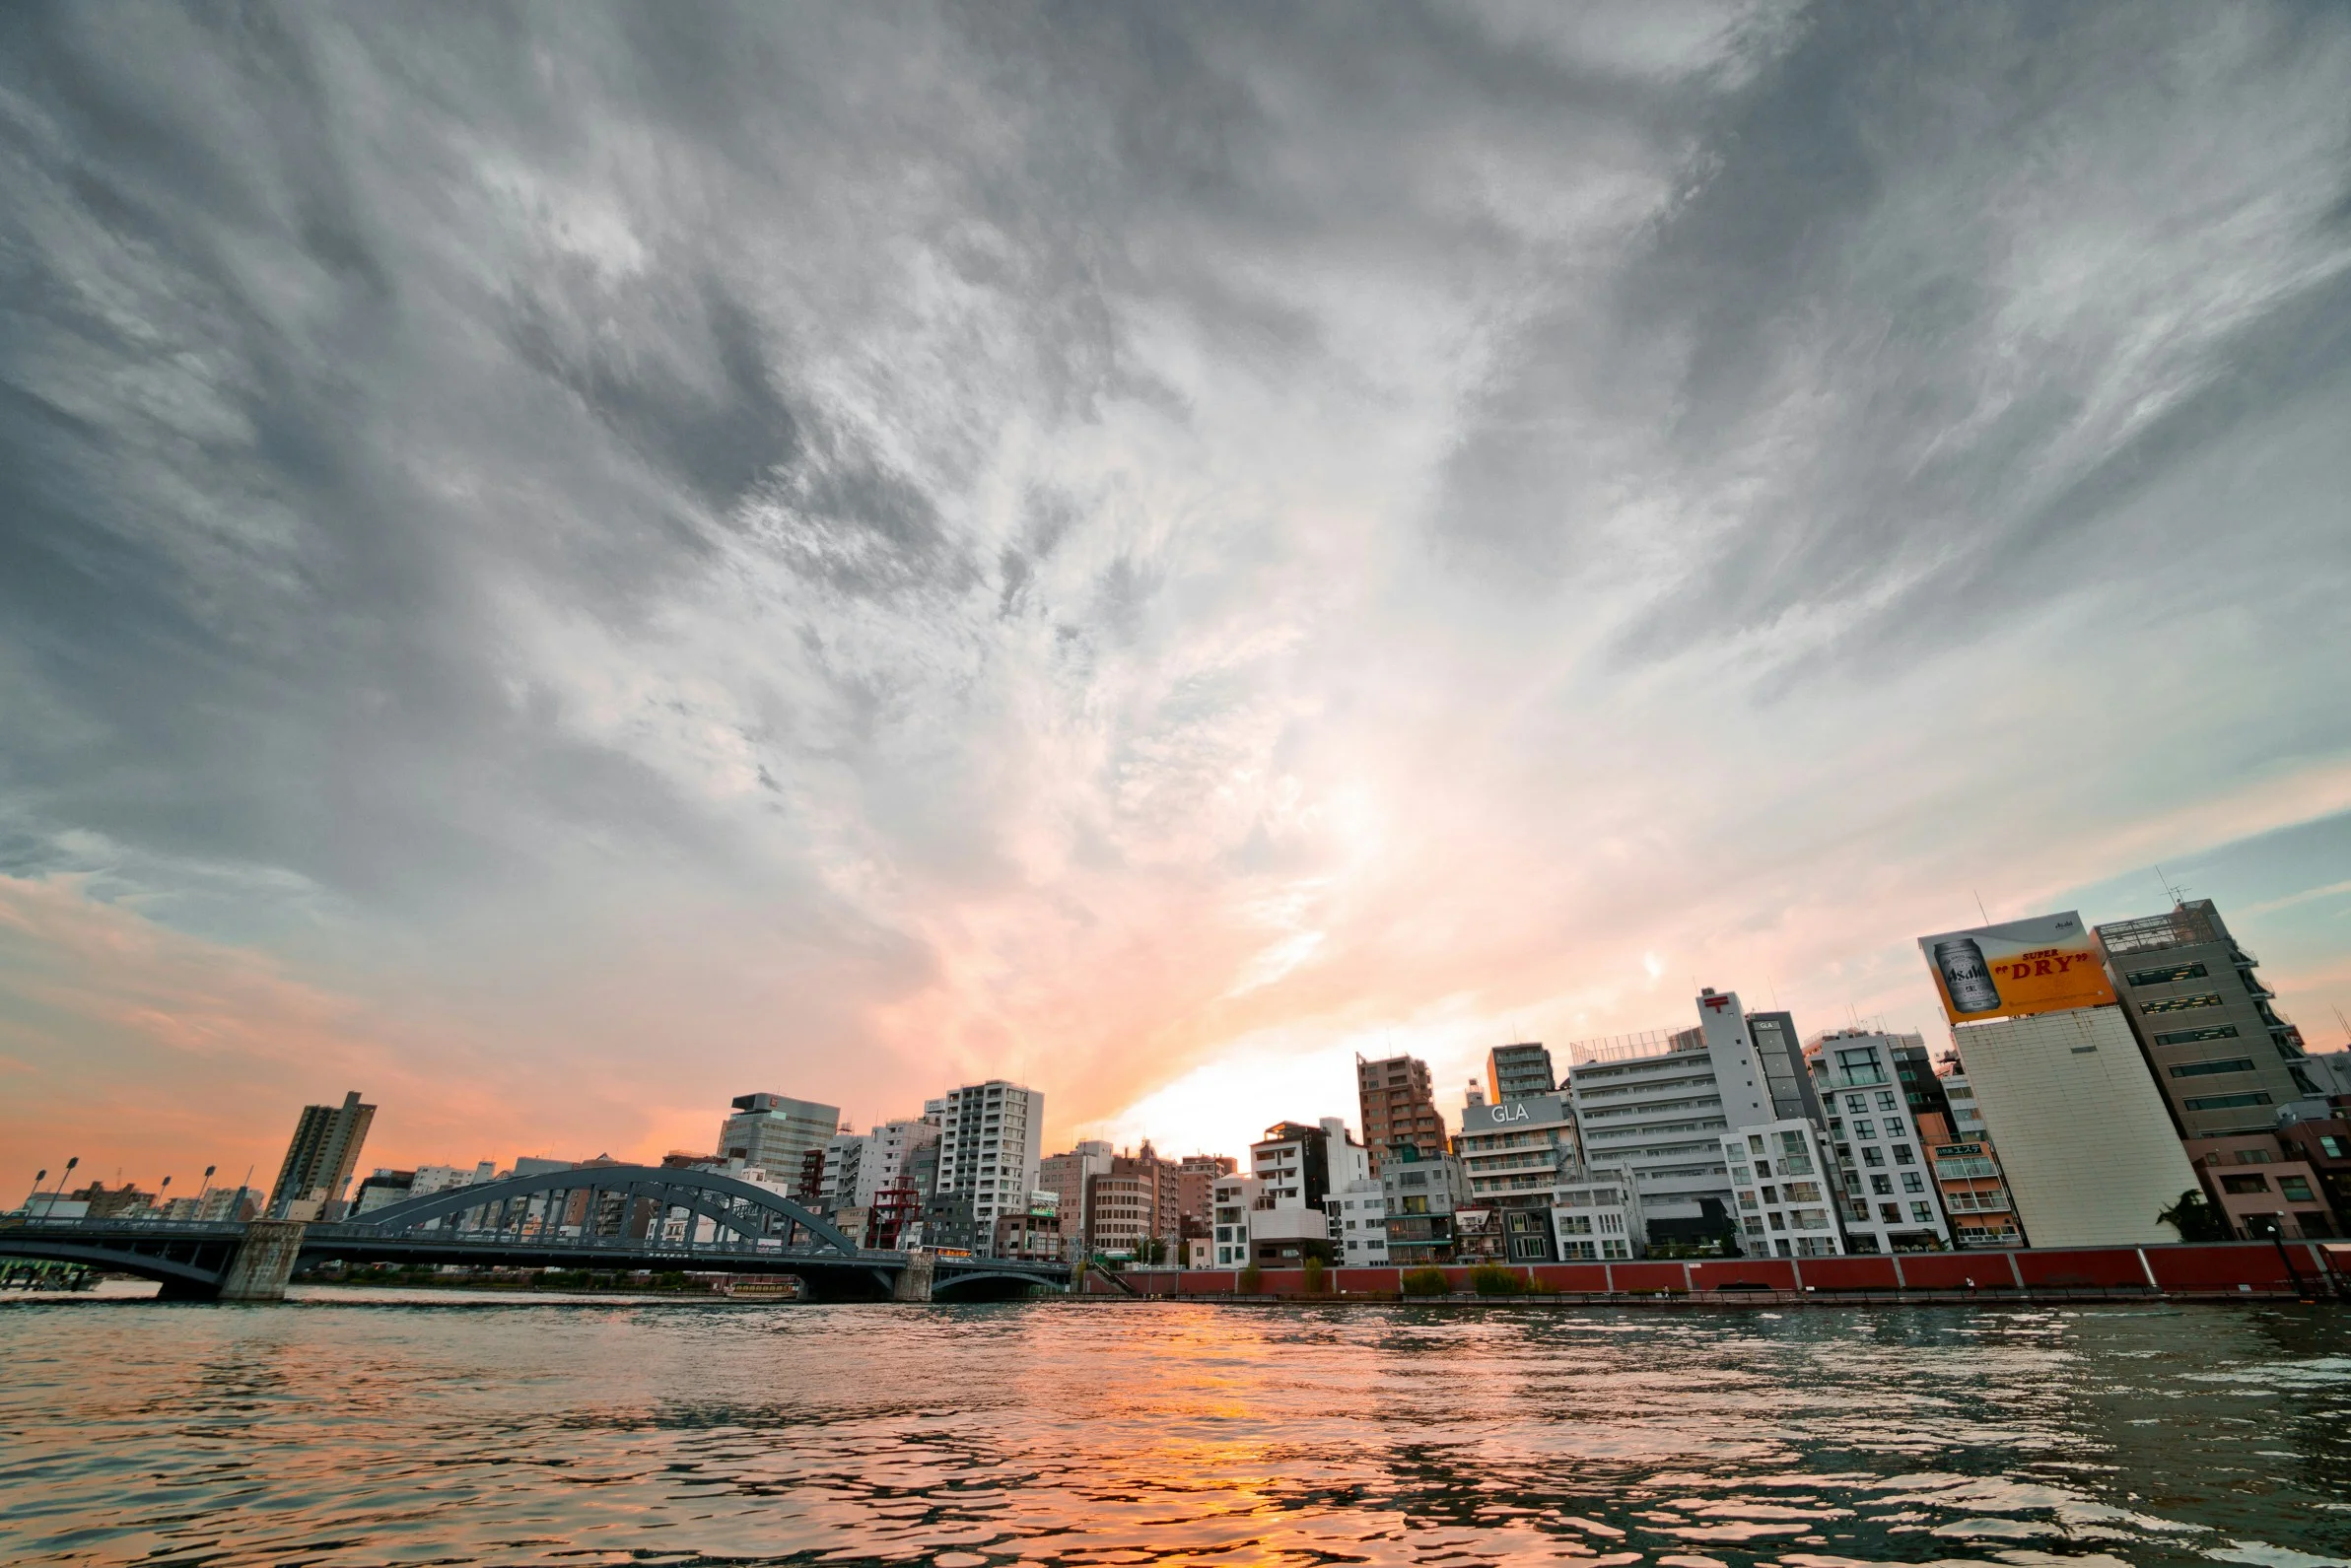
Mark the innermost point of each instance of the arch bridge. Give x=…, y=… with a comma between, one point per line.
x=611, y=1217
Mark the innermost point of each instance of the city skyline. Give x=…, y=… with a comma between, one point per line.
x=1147, y=570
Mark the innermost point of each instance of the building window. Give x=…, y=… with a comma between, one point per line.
x=2168, y=977
x=1883, y=1186
x=2226, y=1102
x=2189, y=1037
x=1865, y=1129
x=1922, y=1214
x=2295, y=1187
x=1885, y=1100
x=1871, y=1154
x=2181, y=1004
x=2200, y=1069
x=2245, y=1184
x=1903, y=1154
x=1912, y=1182
x=1891, y=1213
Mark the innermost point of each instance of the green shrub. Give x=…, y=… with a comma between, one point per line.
x=1253, y=1280
x=1314, y=1276
x=1425, y=1282
x=1492, y=1280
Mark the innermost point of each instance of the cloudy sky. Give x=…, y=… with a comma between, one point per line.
x=560, y=564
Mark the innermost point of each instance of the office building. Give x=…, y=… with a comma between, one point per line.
x=2223, y=1058
x=1889, y=1201
x=320, y=1160
x=1660, y=1105
x=1517, y=1073
x=1120, y=1209
x=1785, y=1076
x=774, y=1132
x=1922, y=1088
x=1399, y=1108
x=2324, y=1143
x=1786, y=1190
x=991, y=1143
x=883, y=1160
x=2086, y=1144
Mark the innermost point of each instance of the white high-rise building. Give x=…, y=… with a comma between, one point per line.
x=1888, y=1198
x=2085, y=1143
x=991, y=1143
x=1659, y=1106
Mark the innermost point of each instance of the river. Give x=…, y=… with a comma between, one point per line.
x=343, y=1429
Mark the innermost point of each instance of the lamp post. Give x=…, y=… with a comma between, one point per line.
x=56, y=1196
x=38, y=1177
x=207, y=1193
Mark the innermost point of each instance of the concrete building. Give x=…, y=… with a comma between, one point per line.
x=1787, y=1079
x=2264, y=1185
x=2222, y=1055
x=1120, y=1209
x=1786, y=1191
x=1660, y=1105
x=319, y=1159
x=1966, y=1173
x=2085, y=1143
x=1517, y=1073
x=991, y=1143
x=2324, y=1143
x=1357, y=1215
x=1888, y=1198
x=1596, y=1215
x=1197, y=1175
x=427, y=1180
x=1294, y=1164
x=862, y=1167
x=382, y=1188
x=1512, y=1153
x=1915, y=1074
x=1064, y=1175
x=775, y=1132
x=1422, y=1197
x=1233, y=1200
x=1398, y=1107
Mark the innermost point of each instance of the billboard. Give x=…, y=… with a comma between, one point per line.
x=2044, y=965
x=1534, y=1110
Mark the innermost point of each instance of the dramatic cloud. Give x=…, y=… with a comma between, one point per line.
x=559, y=564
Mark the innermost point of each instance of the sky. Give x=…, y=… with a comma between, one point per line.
x=560, y=564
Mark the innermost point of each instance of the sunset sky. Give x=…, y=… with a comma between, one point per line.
x=565, y=564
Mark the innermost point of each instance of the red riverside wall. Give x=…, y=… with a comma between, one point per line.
x=1770, y=1273
x=2216, y=1268
x=1854, y=1273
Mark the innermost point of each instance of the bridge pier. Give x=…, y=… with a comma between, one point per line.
x=914, y=1280
x=263, y=1262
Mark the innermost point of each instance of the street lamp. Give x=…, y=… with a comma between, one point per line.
x=207, y=1193
x=38, y=1177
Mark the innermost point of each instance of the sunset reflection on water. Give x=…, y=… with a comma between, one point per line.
x=387, y=1430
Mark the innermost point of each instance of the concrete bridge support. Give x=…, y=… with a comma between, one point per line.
x=263, y=1262
x=914, y=1280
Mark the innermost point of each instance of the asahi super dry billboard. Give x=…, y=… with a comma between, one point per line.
x=2044, y=965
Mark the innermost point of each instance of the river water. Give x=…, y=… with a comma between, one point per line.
x=417, y=1429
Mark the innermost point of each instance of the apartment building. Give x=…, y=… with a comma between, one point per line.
x=991, y=1143
x=1064, y=1175
x=1422, y=1197
x=1515, y=1072
x=1889, y=1201
x=1357, y=1222
x=320, y=1160
x=1785, y=1187
x=1398, y=1107
x=1511, y=1156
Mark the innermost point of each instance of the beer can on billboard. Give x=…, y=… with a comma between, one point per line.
x=1959, y=961
x=2051, y=963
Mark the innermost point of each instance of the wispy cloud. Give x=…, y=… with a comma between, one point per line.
x=837, y=549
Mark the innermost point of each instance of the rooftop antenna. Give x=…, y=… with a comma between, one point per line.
x=2171, y=890
x=2346, y=1023
x=1979, y=909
